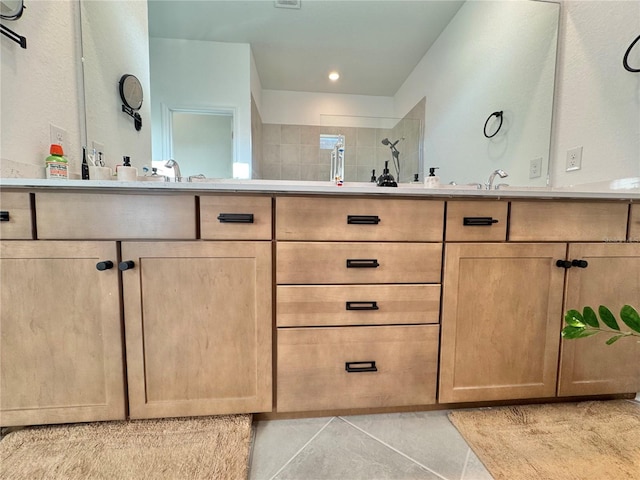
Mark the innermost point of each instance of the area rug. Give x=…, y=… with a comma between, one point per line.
x=562, y=441
x=181, y=448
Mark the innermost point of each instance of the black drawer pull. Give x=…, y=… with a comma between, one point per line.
x=579, y=263
x=235, y=218
x=104, y=265
x=357, y=367
x=363, y=219
x=4, y=216
x=126, y=265
x=478, y=221
x=362, y=263
x=563, y=263
x=362, y=306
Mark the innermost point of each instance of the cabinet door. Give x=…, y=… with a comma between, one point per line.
x=61, y=335
x=500, y=321
x=198, y=328
x=612, y=278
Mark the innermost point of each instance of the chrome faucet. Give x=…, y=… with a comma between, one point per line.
x=176, y=169
x=498, y=172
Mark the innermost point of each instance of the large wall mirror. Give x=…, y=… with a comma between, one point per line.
x=428, y=74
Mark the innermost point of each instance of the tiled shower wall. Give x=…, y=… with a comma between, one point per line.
x=292, y=152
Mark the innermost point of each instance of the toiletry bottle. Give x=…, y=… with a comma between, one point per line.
x=56, y=165
x=125, y=172
x=416, y=178
x=386, y=179
x=85, y=165
x=432, y=181
x=373, y=176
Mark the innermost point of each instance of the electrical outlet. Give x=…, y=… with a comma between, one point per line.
x=574, y=159
x=59, y=136
x=535, y=168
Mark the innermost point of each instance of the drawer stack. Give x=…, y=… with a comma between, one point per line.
x=358, y=297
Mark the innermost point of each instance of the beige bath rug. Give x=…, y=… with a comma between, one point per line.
x=562, y=441
x=179, y=448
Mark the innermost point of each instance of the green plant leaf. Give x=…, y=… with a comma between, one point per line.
x=588, y=333
x=615, y=338
x=574, y=318
x=630, y=317
x=607, y=318
x=590, y=317
x=572, y=331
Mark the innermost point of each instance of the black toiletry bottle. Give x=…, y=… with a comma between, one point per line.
x=85, y=165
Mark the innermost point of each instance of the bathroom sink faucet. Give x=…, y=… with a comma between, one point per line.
x=176, y=169
x=498, y=172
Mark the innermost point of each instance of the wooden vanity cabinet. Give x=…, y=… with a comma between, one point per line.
x=634, y=223
x=60, y=333
x=500, y=321
x=612, y=278
x=15, y=216
x=198, y=327
x=358, y=289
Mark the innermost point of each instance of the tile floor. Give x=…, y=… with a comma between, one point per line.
x=407, y=446
x=403, y=446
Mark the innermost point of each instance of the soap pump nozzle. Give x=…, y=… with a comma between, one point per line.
x=373, y=176
x=432, y=171
x=126, y=161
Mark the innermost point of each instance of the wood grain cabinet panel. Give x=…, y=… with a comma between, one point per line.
x=568, y=221
x=308, y=305
x=365, y=220
x=16, y=222
x=95, y=216
x=198, y=328
x=501, y=318
x=60, y=334
x=612, y=278
x=634, y=223
x=234, y=217
x=476, y=221
x=347, y=263
x=312, y=367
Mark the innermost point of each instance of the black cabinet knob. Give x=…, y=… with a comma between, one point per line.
x=563, y=264
x=104, y=265
x=579, y=263
x=126, y=265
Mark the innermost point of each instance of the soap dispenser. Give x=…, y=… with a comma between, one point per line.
x=432, y=181
x=126, y=172
x=386, y=179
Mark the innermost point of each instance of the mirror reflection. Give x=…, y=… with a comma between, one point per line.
x=425, y=73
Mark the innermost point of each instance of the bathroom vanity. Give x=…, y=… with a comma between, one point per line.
x=132, y=300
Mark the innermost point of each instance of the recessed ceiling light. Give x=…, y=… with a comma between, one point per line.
x=333, y=76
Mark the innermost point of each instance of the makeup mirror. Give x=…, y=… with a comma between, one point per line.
x=11, y=9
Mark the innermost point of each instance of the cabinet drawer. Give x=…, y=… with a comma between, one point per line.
x=16, y=221
x=568, y=221
x=338, y=263
x=634, y=223
x=312, y=367
x=306, y=218
x=115, y=216
x=306, y=305
x=235, y=218
x=476, y=221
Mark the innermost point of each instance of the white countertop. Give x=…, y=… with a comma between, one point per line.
x=626, y=189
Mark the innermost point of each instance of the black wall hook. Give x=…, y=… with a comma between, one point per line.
x=625, y=63
x=497, y=114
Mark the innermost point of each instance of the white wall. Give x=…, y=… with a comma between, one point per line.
x=306, y=108
x=200, y=75
x=39, y=86
x=476, y=67
x=107, y=56
x=597, y=100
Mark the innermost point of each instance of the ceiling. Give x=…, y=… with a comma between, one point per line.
x=373, y=44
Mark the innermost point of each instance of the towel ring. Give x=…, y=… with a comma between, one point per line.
x=625, y=63
x=497, y=114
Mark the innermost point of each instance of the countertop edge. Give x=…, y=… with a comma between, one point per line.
x=311, y=188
